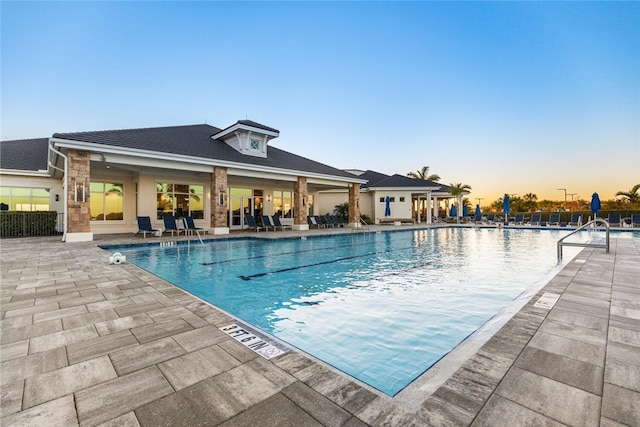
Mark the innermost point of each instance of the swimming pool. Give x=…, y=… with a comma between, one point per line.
x=381, y=307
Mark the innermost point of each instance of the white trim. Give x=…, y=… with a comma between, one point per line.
x=189, y=163
x=40, y=173
x=412, y=189
x=240, y=126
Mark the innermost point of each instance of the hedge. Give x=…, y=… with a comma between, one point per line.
x=22, y=224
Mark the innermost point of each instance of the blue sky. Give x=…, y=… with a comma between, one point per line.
x=515, y=97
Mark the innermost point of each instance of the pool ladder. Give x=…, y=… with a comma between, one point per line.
x=365, y=227
x=605, y=245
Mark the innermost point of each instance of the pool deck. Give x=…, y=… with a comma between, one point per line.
x=88, y=343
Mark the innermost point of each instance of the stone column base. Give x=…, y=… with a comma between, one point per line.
x=220, y=230
x=78, y=237
x=301, y=227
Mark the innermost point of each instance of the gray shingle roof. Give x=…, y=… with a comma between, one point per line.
x=257, y=125
x=195, y=140
x=373, y=177
x=24, y=154
x=377, y=179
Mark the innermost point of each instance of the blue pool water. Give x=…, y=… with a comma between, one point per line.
x=381, y=307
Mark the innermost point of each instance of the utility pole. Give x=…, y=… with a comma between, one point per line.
x=565, y=197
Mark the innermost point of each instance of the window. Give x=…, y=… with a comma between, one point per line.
x=391, y=199
x=106, y=201
x=401, y=199
x=24, y=198
x=283, y=203
x=180, y=200
x=255, y=144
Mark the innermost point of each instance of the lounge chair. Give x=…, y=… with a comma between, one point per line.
x=337, y=222
x=519, y=219
x=614, y=220
x=170, y=225
x=190, y=226
x=266, y=222
x=251, y=223
x=144, y=227
x=491, y=218
x=536, y=219
x=576, y=220
x=477, y=219
x=311, y=220
x=277, y=224
x=329, y=221
x=554, y=219
x=319, y=221
x=635, y=220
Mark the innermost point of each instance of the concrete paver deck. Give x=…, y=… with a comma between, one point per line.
x=87, y=343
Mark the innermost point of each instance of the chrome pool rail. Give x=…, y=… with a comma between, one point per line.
x=605, y=245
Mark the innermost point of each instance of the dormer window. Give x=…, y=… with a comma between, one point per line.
x=247, y=137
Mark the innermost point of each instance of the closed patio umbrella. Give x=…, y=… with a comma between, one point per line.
x=595, y=205
x=387, y=207
x=465, y=210
x=478, y=212
x=506, y=208
x=452, y=211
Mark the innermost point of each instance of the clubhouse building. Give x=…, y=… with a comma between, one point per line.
x=102, y=180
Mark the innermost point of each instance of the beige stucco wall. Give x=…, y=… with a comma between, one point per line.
x=53, y=184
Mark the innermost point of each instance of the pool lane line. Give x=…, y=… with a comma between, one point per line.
x=290, y=253
x=253, y=276
x=283, y=270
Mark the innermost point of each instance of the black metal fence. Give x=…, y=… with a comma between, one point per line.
x=29, y=224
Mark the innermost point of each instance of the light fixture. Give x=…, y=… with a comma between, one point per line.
x=57, y=197
x=269, y=198
x=79, y=192
x=304, y=201
x=222, y=195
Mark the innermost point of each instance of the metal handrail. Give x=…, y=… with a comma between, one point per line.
x=562, y=243
x=364, y=223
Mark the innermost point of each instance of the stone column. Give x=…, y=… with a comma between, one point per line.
x=354, y=205
x=428, y=208
x=78, y=213
x=219, y=201
x=301, y=204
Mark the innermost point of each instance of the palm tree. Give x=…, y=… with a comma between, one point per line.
x=459, y=188
x=423, y=174
x=630, y=196
x=456, y=191
x=530, y=201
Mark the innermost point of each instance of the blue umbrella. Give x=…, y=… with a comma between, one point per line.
x=452, y=212
x=478, y=212
x=595, y=205
x=387, y=207
x=465, y=210
x=507, y=205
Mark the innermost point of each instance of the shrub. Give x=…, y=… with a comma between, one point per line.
x=20, y=224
